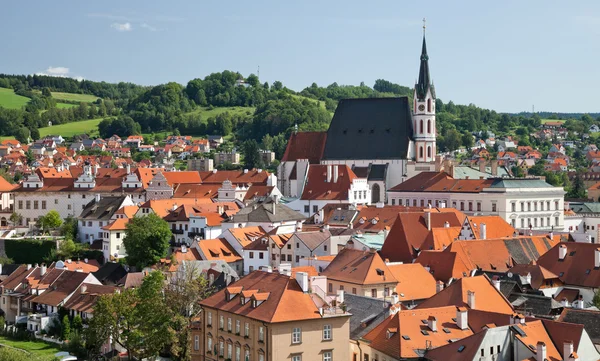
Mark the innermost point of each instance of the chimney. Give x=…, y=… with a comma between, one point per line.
x=562, y=252
x=580, y=302
x=494, y=167
x=471, y=299
x=395, y=298
x=528, y=278
x=446, y=224
x=285, y=269
x=329, y=173
x=462, y=320
x=564, y=302
x=269, y=269
x=85, y=260
x=439, y=286
x=432, y=323
x=597, y=258
x=97, y=198
x=335, y=173
x=128, y=168
x=245, y=171
x=551, y=235
x=482, y=231
x=482, y=165
x=567, y=350
x=184, y=248
x=83, y=288
x=28, y=266
x=496, y=283
x=386, y=232
x=428, y=220
x=541, y=351
x=302, y=279
x=340, y=296
x=43, y=269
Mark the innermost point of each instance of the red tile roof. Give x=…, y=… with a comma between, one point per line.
x=359, y=267
x=305, y=145
x=237, y=177
x=441, y=182
x=578, y=266
x=318, y=188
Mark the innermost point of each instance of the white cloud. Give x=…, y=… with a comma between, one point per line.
x=148, y=27
x=59, y=71
x=122, y=26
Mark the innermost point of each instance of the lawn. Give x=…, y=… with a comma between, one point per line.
x=38, y=348
x=89, y=127
x=86, y=98
x=65, y=105
x=544, y=121
x=10, y=100
x=207, y=113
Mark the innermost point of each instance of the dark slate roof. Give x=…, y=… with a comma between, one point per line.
x=103, y=209
x=377, y=172
x=589, y=319
x=372, y=128
x=262, y=211
x=424, y=83
x=365, y=310
x=508, y=287
x=110, y=273
x=536, y=305
x=8, y=269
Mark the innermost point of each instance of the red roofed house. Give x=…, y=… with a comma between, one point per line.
x=303, y=148
x=330, y=184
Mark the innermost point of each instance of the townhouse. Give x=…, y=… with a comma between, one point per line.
x=97, y=214
x=270, y=316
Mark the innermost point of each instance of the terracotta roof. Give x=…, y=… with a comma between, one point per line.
x=577, y=268
x=414, y=282
x=469, y=349
x=310, y=270
x=317, y=187
x=441, y=182
x=162, y=207
x=66, y=283
x=571, y=294
x=86, y=295
x=117, y=224
x=258, y=191
x=213, y=249
x=80, y=265
x=305, y=145
x=443, y=265
x=487, y=297
x=536, y=332
x=539, y=275
x=5, y=186
x=187, y=177
x=196, y=191
x=386, y=216
x=359, y=267
x=409, y=235
x=237, y=177
x=132, y=280
x=285, y=302
x=128, y=211
x=247, y=235
x=496, y=226
x=413, y=334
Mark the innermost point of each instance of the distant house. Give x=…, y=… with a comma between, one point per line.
x=134, y=141
x=594, y=128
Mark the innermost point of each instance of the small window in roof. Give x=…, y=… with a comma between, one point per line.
x=461, y=348
x=424, y=322
x=454, y=319
x=572, y=253
x=587, y=271
x=561, y=274
x=446, y=330
x=406, y=337
x=424, y=332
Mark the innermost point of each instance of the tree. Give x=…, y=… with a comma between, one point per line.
x=277, y=85
x=16, y=218
x=251, y=153
x=51, y=220
x=22, y=135
x=452, y=140
x=66, y=328
x=146, y=240
x=596, y=299
x=467, y=140
x=34, y=133
x=46, y=92
x=77, y=324
x=577, y=189
x=69, y=228
x=253, y=80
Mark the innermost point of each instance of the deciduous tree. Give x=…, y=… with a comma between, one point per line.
x=146, y=240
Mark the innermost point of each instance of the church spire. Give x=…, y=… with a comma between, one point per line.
x=424, y=82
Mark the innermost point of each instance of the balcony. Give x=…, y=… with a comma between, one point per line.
x=177, y=231
x=199, y=234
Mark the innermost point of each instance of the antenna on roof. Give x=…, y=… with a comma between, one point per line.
x=258, y=72
x=424, y=25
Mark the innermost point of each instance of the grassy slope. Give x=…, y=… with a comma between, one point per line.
x=37, y=348
x=86, y=98
x=207, y=113
x=70, y=129
x=10, y=100
x=544, y=121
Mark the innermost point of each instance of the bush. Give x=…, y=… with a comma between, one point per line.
x=28, y=251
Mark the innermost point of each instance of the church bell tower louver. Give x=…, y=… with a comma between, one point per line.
x=424, y=130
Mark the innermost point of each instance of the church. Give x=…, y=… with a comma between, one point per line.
x=380, y=139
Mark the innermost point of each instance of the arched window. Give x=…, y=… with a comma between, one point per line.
x=421, y=126
x=429, y=152
x=429, y=126
x=375, y=193
x=429, y=105
x=421, y=152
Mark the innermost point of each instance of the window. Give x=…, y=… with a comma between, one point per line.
x=296, y=335
x=556, y=221
x=522, y=206
x=261, y=333
x=327, y=356
x=289, y=246
x=325, y=248
x=482, y=353
x=493, y=207
x=43, y=204
x=261, y=357
x=297, y=244
x=118, y=234
x=470, y=206
x=513, y=207
x=221, y=348
x=20, y=204
x=353, y=290
x=289, y=258
x=229, y=350
x=27, y=204
x=221, y=322
x=247, y=329
x=491, y=350
x=297, y=259
x=541, y=206
x=541, y=222
x=556, y=206
x=209, y=319
x=394, y=202
x=229, y=324
x=297, y=358
x=374, y=293
x=421, y=147
x=326, y=332
x=462, y=206
x=522, y=223
x=36, y=204
x=498, y=348
x=429, y=151
x=89, y=223
x=330, y=287
x=55, y=200
x=209, y=344
x=306, y=209
x=421, y=131
x=238, y=353
x=261, y=255
x=196, y=342
x=237, y=326
x=478, y=206
x=528, y=206
x=429, y=124
x=341, y=287
x=315, y=209
x=251, y=254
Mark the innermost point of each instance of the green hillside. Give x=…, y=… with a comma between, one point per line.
x=10, y=100
x=70, y=129
x=86, y=98
x=207, y=113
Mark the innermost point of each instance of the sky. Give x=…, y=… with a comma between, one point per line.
x=509, y=56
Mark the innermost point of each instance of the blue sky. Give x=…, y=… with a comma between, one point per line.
x=503, y=55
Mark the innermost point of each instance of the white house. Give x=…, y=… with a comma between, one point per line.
x=97, y=214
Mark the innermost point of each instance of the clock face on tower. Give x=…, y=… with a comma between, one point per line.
x=421, y=107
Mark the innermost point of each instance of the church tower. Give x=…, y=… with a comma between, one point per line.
x=424, y=130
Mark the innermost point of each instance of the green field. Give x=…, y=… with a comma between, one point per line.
x=544, y=121
x=89, y=127
x=37, y=348
x=207, y=113
x=85, y=98
x=65, y=105
x=10, y=100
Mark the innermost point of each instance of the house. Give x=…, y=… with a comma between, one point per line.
x=83, y=300
x=200, y=164
x=269, y=316
x=232, y=157
x=415, y=283
x=292, y=247
x=97, y=214
x=594, y=128
x=527, y=204
x=134, y=141
x=146, y=148
x=268, y=214
x=218, y=249
x=326, y=184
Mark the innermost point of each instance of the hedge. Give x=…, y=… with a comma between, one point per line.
x=28, y=251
